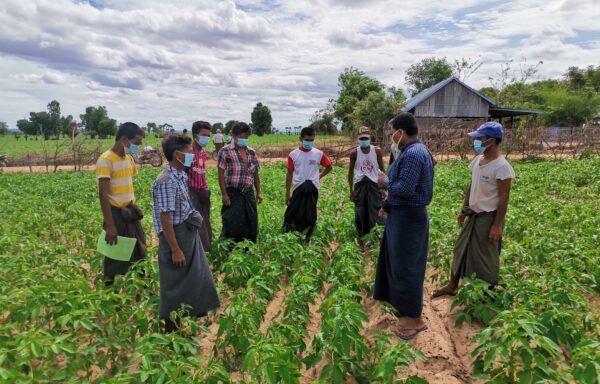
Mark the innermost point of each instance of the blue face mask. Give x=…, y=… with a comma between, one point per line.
x=242, y=143
x=364, y=143
x=478, y=146
x=187, y=160
x=307, y=144
x=132, y=149
x=203, y=141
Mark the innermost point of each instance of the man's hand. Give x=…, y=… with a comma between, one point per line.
x=287, y=199
x=111, y=234
x=352, y=196
x=381, y=179
x=495, y=233
x=178, y=258
x=226, y=200
x=461, y=220
x=259, y=198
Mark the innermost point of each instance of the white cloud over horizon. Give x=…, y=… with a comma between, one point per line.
x=180, y=61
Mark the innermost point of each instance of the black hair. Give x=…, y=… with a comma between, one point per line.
x=129, y=130
x=498, y=141
x=200, y=125
x=184, y=130
x=174, y=143
x=240, y=128
x=405, y=121
x=307, y=131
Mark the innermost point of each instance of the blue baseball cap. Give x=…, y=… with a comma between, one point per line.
x=489, y=129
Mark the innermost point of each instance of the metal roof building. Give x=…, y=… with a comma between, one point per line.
x=452, y=98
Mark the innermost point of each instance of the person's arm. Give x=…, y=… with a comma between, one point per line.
x=461, y=216
x=224, y=195
x=259, y=197
x=110, y=227
x=288, y=185
x=325, y=162
x=504, y=193
x=176, y=253
x=351, y=167
x=380, y=159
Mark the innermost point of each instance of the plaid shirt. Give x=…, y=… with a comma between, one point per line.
x=197, y=172
x=237, y=174
x=411, y=177
x=170, y=194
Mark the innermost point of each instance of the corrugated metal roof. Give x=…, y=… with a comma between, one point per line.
x=506, y=112
x=427, y=93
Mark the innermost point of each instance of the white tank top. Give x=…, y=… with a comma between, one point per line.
x=366, y=165
x=306, y=166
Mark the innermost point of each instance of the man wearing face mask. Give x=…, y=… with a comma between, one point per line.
x=477, y=249
x=367, y=161
x=199, y=192
x=303, y=171
x=115, y=170
x=238, y=172
x=185, y=277
x=404, y=246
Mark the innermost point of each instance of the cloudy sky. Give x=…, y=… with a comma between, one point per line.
x=178, y=61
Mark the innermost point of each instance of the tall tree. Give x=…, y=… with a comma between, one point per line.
x=91, y=119
x=426, y=73
x=261, y=119
x=26, y=127
x=354, y=87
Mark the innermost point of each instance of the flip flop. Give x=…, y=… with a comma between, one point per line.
x=412, y=335
x=442, y=293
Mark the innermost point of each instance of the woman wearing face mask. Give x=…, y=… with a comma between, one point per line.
x=403, y=254
x=185, y=277
x=199, y=192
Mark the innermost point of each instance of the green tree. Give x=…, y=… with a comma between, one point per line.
x=3, y=128
x=91, y=119
x=26, y=127
x=426, y=73
x=107, y=127
x=374, y=111
x=54, y=124
x=354, y=87
x=216, y=126
x=261, y=120
x=39, y=123
x=229, y=125
x=323, y=121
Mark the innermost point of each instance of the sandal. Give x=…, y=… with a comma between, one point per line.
x=412, y=335
x=442, y=292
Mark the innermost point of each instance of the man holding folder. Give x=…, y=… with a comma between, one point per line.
x=122, y=217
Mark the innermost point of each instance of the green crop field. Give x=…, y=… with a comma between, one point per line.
x=14, y=148
x=291, y=313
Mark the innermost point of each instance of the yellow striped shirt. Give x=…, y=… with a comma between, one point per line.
x=120, y=171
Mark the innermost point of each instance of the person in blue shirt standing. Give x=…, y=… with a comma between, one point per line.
x=185, y=277
x=403, y=253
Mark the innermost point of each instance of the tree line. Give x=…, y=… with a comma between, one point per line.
x=95, y=122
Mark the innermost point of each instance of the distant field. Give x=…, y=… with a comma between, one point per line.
x=18, y=148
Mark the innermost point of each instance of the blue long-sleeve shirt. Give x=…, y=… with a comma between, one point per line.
x=411, y=177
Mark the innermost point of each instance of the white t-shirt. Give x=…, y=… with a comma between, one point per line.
x=305, y=165
x=484, y=195
x=366, y=165
x=218, y=138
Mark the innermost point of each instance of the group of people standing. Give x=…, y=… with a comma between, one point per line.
x=398, y=200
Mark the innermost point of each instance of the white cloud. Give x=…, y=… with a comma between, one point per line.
x=182, y=60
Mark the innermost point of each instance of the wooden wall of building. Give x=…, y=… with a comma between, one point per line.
x=454, y=100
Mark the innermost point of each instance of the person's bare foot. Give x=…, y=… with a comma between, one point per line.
x=445, y=291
